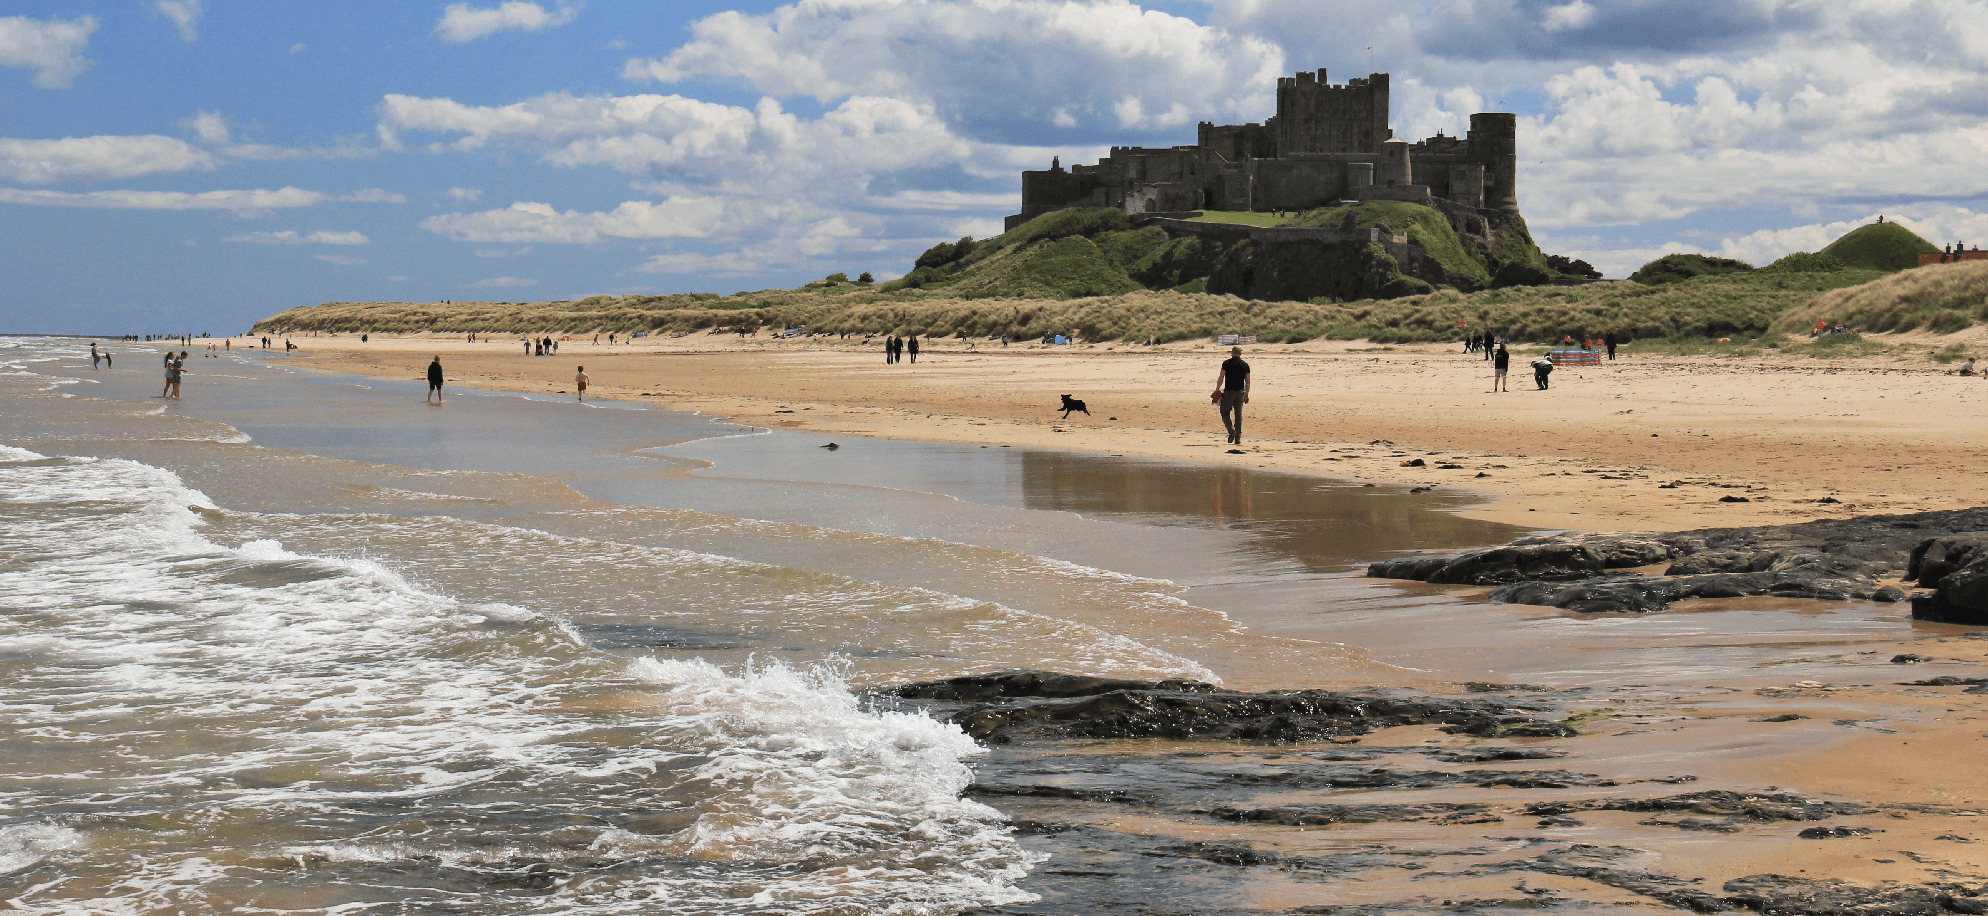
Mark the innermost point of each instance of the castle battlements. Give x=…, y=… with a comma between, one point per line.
x=1326, y=143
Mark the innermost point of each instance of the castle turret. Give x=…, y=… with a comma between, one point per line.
x=1494, y=140
x=1395, y=170
x=1314, y=116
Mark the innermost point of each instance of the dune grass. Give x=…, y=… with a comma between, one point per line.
x=1942, y=298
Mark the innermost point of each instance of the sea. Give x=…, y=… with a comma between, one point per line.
x=301, y=642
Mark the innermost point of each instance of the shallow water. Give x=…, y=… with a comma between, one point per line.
x=302, y=642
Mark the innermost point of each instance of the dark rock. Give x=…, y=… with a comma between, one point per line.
x=1909, y=659
x=1831, y=559
x=1073, y=793
x=1780, y=894
x=1489, y=754
x=1546, y=822
x=1790, y=717
x=1235, y=854
x=1764, y=807
x=983, y=688
x=1322, y=815
x=1202, y=713
x=1835, y=833
x=1947, y=680
x=1734, y=499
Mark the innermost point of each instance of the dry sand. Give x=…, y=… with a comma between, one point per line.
x=1645, y=443
x=1596, y=452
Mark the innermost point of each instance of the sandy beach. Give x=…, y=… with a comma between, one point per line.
x=1643, y=443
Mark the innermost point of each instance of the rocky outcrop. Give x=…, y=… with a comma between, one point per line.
x=1955, y=567
x=1037, y=706
x=1832, y=559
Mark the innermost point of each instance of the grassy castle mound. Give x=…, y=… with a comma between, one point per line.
x=1090, y=273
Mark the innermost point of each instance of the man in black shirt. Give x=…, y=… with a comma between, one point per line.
x=435, y=381
x=1232, y=392
x=1501, y=362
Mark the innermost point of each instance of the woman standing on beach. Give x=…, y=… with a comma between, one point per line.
x=171, y=376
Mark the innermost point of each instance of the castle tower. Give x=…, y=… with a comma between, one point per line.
x=1494, y=139
x=1314, y=116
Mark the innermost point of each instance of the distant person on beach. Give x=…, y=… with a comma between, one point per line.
x=1232, y=392
x=528, y=346
x=580, y=382
x=95, y=357
x=1967, y=368
x=1489, y=339
x=912, y=345
x=1541, y=368
x=1609, y=341
x=1501, y=363
x=434, y=381
x=175, y=371
x=171, y=376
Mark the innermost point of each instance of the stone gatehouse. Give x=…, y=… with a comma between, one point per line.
x=1327, y=143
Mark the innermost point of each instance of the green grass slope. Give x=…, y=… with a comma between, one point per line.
x=1427, y=227
x=1880, y=246
x=1942, y=298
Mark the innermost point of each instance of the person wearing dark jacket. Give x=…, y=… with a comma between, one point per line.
x=1501, y=362
x=435, y=380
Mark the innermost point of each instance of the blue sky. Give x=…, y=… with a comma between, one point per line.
x=193, y=165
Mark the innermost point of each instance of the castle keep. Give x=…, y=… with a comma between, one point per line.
x=1327, y=143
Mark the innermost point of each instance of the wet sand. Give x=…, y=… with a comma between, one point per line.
x=1656, y=700
x=1594, y=453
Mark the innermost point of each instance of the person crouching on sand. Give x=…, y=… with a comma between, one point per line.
x=580, y=382
x=434, y=381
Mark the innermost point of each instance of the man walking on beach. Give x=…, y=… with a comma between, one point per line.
x=1232, y=392
x=912, y=345
x=580, y=382
x=1501, y=362
x=434, y=381
x=1610, y=342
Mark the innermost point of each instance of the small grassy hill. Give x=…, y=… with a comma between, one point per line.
x=1943, y=298
x=1880, y=246
x=1672, y=268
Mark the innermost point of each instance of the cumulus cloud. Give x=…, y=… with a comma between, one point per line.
x=185, y=15
x=293, y=237
x=462, y=22
x=240, y=201
x=52, y=48
x=528, y=221
x=97, y=158
x=209, y=127
x=339, y=259
x=1001, y=67
x=469, y=194
x=501, y=283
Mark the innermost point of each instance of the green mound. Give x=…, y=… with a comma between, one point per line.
x=1672, y=268
x=1806, y=262
x=1880, y=246
x=1942, y=299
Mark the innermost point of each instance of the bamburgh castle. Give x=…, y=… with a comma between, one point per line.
x=1327, y=143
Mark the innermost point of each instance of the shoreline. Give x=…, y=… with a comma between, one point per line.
x=1649, y=443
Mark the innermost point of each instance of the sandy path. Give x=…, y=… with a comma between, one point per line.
x=1592, y=453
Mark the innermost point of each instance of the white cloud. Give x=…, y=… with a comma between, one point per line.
x=1571, y=16
x=297, y=48
x=97, y=158
x=209, y=126
x=53, y=49
x=985, y=62
x=293, y=237
x=239, y=201
x=185, y=15
x=501, y=283
x=527, y=221
x=462, y=22
x=503, y=252
x=469, y=194
x=339, y=259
